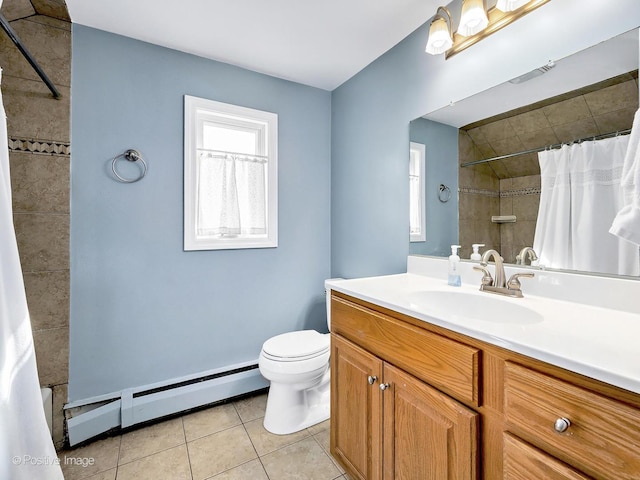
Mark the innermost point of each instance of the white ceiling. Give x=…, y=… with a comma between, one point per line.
x=319, y=43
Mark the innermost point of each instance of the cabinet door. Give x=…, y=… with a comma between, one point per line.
x=356, y=409
x=523, y=462
x=427, y=435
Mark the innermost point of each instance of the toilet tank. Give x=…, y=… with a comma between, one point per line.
x=327, y=291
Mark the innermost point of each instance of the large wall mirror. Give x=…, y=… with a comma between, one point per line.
x=587, y=100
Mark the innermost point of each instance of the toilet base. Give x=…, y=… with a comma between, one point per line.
x=289, y=410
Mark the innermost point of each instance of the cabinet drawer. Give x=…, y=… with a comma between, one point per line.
x=603, y=439
x=446, y=364
x=523, y=462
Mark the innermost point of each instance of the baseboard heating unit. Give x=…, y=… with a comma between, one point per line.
x=90, y=417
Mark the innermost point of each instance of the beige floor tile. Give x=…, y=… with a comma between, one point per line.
x=211, y=420
x=266, y=442
x=324, y=440
x=102, y=454
x=252, y=470
x=168, y=464
x=219, y=452
x=251, y=408
x=304, y=460
x=149, y=440
x=320, y=427
x=108, y=475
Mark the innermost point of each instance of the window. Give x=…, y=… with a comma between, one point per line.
x=230, y=178
x=416, y=192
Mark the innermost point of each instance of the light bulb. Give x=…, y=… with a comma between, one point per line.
x=439, y=37
x=473, y=18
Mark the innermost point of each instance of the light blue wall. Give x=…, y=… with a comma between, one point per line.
x=441, y=155
x=142, y=309
x=371, y=113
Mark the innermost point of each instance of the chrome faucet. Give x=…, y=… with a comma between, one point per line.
x=497, y=285
x=521, y=258
x=499, y=270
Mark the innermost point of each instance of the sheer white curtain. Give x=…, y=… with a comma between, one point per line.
x=26, y=448
x=231, y=195
x=579, y=198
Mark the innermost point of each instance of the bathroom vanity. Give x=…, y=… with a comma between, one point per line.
x=426, y=394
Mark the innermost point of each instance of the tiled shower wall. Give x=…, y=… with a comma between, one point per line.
x=39, y=154
x=512, y=186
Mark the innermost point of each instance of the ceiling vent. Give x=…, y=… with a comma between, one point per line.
x=533, y=73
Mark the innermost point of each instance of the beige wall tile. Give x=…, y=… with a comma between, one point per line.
x=52, y=8
x=106, y=475
x=497, y=130
x=499, y=167
x=477, y=136
x=615, y=121
x=529, y=181
x=39, y=183
x=525, y=207
x=52, y=22
x=52, y=355
x=484, y=150
x=529, y=122
x=617, y=97
x=523, y=166
x=538, y=139
x=14, y=9
x=580, y=129
x=466, y=152
x=32, y=112
x=48, y=298
x=507, y=146
x=50, y=46
x=567, y=111
x=43, y=241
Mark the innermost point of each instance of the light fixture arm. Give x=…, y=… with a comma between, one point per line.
x=448, y=14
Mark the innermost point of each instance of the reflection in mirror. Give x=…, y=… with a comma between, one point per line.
x=504, y=131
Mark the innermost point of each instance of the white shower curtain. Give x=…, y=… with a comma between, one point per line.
x=26, y=448
x=579, y=198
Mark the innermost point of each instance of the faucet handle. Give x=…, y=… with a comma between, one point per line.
x=514, y=284
x=487, y=280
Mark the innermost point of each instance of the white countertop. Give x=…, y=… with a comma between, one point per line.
x=601, y=343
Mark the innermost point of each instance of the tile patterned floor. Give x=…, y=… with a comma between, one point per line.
x=226, y=442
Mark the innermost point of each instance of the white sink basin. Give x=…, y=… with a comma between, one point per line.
x=474, y=306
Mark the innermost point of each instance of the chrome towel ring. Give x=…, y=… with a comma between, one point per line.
x=444, y=193
x=131, y=156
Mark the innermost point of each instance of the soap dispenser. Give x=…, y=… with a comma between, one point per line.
x=475, y=256
x=454, y=263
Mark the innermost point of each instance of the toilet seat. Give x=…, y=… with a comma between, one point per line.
x=296, y=346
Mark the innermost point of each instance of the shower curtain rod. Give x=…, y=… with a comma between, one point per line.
x=18, y=43
x=535, y=150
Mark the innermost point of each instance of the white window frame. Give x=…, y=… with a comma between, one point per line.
x=420, y=150
x=195, y=109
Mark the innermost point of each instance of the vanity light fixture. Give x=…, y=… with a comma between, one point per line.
x=440, y=36
x=473, y=18
x=476, y=23
x=510, y=5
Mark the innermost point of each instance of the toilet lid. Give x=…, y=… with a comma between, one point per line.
x=305, y=343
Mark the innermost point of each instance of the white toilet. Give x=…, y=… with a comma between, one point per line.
x=297, y=365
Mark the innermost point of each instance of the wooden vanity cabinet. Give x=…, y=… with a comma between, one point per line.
x=387, y=424
x=453, y=407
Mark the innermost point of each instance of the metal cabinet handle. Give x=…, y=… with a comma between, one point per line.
x=384, y=386
x=372, y=379
x=561, y=425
